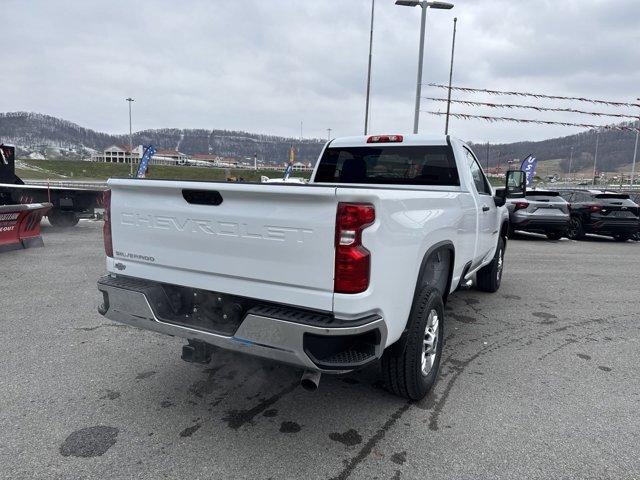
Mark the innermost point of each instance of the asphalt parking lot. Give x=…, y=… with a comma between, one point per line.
x=539, y=380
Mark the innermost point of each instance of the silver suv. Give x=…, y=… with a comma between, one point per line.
x=541, y=211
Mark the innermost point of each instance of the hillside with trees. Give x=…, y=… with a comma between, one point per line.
x=45, y=137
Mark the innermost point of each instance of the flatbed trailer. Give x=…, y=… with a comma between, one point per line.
x=69, y=204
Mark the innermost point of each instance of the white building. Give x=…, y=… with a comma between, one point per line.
x=122, y=154
x=116, y=154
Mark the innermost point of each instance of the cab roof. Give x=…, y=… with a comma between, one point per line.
x=407, y=140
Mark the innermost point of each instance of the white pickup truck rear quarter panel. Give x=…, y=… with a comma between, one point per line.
x=263, y=241
x=408, y=222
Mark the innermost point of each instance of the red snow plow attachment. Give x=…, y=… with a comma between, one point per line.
x=20, y=225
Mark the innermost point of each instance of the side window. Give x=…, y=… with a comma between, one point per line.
x=564, y=195
x=482, y=186
x=580, y=197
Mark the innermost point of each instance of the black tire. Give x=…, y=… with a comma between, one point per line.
x=489, y=277
x=62, y=219
x=575, y=230
x=622, y=237
x=402, y=369
x=554, y=235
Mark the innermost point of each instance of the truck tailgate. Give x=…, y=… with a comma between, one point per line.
x=272, y=242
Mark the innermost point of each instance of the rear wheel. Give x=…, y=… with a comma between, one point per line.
x=554, y=235
x=489, y=277
x=60, y=218
x=412, y=371
x=575, y=230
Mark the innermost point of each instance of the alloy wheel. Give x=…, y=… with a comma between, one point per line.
x=430, y=342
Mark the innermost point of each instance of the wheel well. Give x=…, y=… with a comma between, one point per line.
x=436, y=270
x=504, y=230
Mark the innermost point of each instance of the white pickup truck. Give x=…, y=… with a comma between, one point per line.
x=329, y=276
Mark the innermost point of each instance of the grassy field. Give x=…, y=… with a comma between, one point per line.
x=78, y=170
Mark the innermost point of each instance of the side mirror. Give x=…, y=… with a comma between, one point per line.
x=500, y=198
x=516, y=184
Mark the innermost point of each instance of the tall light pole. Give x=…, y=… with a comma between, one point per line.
x=366, y=108
x=570, y=162
x=487, y=156
x=424, y=5
x=329, y=134
x=595, y=158
x=130, y=100
x=453, y=49
x=635, y=150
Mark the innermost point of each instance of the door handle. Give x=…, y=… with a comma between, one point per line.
x=485, y=208
x=202, y=197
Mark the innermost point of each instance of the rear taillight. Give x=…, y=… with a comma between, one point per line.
x=106, y=228
x=385, y=139
x=595, y=208
x=520, y=205
x=353, y=261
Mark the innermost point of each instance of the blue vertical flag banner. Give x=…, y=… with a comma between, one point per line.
x=144, y=161
x=288, y=170
x=528, y=166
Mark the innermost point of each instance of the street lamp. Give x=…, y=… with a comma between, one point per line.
x=453, y=49
x=130, y=100
x=424, y=5
x=595, y=158
x=366, y=108
x=635, y=151
x=570, y=162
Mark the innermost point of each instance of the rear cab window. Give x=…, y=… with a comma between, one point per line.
x=393, y=165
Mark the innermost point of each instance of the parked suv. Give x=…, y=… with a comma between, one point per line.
x=541, y=211
x=611, y=214
x=635, y=198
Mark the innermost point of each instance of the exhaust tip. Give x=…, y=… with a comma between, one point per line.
x=310, y=380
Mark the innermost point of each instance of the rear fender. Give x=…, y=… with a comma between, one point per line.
x=504, y=232
x=436, y=270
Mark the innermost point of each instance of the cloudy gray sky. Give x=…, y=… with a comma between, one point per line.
x=265, y=66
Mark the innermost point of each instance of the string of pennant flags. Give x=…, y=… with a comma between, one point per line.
x=491, y=119
x=535, y=95
x=531, y=107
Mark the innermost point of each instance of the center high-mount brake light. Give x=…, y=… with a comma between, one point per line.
x=353, y=261
x=520, y=205
x=385, y=139
x=106, y=228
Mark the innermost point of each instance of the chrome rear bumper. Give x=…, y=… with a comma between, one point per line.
x=259, y=335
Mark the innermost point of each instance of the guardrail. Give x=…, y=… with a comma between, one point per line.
x=589, y=186
x=68, y=183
